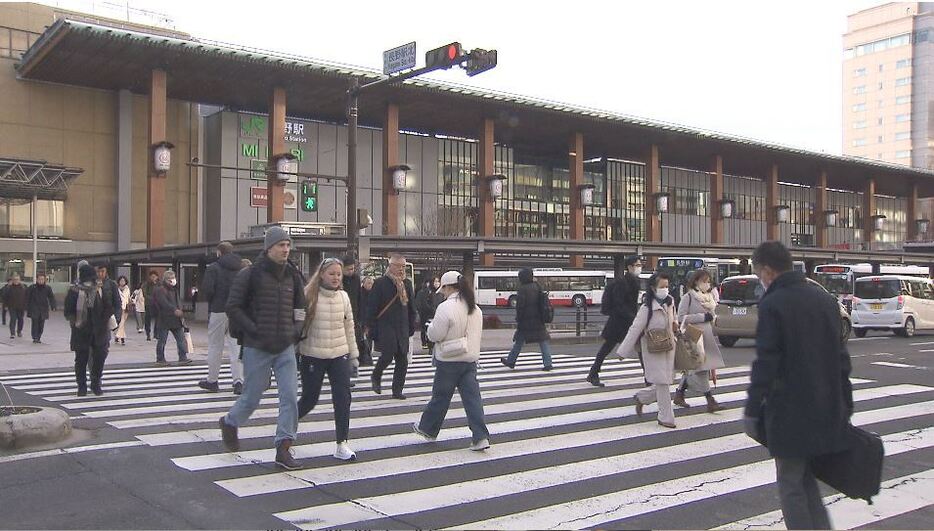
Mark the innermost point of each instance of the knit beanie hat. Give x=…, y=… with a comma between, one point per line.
x=86, y=273
x=275, y=235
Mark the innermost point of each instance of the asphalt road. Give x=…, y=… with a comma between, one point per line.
x=566, y=455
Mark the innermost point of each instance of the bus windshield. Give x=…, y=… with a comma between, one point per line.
x=836, y=283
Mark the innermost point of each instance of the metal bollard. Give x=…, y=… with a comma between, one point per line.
x=578, y=321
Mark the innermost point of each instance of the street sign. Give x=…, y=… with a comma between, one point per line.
x=258, y=197
x=399, y=59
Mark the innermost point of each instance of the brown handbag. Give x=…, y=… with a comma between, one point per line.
x=659, y=340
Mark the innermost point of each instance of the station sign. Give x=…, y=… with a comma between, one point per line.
x=399, y=59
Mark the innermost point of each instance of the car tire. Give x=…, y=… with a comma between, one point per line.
x=512, y=302
x=860, y=332
x=728, y=341
x=579, y=301
x=845, y=329
x=908, y=330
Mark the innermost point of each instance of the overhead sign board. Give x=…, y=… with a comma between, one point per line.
x=399, y=59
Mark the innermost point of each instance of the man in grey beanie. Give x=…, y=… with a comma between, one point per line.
x=267, y=306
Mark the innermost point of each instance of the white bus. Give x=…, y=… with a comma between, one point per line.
x=565, y=288
x=840, y=279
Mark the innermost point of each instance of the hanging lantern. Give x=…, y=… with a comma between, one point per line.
x=162, y=157
x=661, y=202
x=922, y=225
x=399, y=176
x=586, y=191
x=830, y=218
x=782, y=213
x=878, y=222
x=286, y=166
x=727, y=206
x=497, y=183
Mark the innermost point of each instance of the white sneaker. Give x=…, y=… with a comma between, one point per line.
x=480, y=445
x=344, y=453
x=422, y=434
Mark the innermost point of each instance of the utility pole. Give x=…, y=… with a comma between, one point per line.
x=353, y=233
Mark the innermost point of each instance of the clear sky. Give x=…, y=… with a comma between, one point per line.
x=764, y=70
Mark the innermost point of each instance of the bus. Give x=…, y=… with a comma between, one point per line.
x=565, y=288
x=840, y=279
x=679, y=267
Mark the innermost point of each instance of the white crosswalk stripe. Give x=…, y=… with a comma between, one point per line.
x=564, y=455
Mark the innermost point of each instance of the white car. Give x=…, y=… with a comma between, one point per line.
x=898, y=303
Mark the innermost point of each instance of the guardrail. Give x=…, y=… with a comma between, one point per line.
x=587, y=321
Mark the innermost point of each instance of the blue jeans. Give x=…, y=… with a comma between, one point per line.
x=162, y=335
x=256, y=366
x=517, y=346
x=450, y=375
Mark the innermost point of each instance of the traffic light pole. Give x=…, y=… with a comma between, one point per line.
x=353, y=233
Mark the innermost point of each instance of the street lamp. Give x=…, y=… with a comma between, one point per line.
x=398, y=177
x=586, y=191
x=162, y=157
x=782, y=213
x=286, y=166
x=726, y=208
x=878, y=222
x=830, y=218
x=661, y=202
x=922, y=226
x=496, y=183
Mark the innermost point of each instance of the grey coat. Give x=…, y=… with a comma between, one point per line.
x=691, y=311
x=659, y=367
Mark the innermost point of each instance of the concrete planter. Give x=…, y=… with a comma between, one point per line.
x=22, y=426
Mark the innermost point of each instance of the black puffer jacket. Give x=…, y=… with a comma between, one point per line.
x=260, y=305
x=620, y=302
x=530, y=320
x=215, y=288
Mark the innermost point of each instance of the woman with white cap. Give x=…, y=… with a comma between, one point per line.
x=455, y=331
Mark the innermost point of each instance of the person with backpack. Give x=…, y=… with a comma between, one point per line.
x=329, y=347
x=654, y=331
x=533, y=312
x=391, y=324
x=39, y=301
x=620, y=302
x=266, y=308
x=456, y=333
x=88, y=314
x=169, y=319
x=215, y=289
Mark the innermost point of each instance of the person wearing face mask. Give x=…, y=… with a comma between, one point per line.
x=656, y=315
x=620, y=303
x=169, y=319
x=88, y=314
x=697, y=308
x=329, y=346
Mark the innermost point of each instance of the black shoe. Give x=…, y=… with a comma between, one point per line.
x=96, y=389
x=353, y=383
x=594, y=380
x=238, y=388
x=184, y=361
x=505, y=361
x=229, y=436
x=284, y=456
x=398, y=396
x=148, y=338
x=12, y=336
x=547, y=368
x=82, y=391
x=209, y=386
x=19, y=334
x=377, y=385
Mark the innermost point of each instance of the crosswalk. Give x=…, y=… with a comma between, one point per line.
x=565, y=455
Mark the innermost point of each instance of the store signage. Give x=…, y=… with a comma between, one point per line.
x=258, y=197
x=255, y=127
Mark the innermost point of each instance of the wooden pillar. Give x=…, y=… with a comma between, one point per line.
x=576, y=166
x=155, y=223
x=390, y=159
x=771, y=201
x=912, y=213
x=820, y=206
x=716, y=196
x=275, y=189
x=653, y=185
x=485, y=165
x=869, y=210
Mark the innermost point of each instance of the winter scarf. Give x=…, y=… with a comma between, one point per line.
x=86, y=300
x=399, y=281
x=706, y=300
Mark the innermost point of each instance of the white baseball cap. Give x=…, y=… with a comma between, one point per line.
x=451, y=278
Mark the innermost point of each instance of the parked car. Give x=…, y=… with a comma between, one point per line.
x=898, y=303
x=738, y=310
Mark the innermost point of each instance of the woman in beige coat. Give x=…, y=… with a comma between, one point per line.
x=698, y=308
x=656, y=312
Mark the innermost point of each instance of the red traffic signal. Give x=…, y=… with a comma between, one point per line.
x=445, y=57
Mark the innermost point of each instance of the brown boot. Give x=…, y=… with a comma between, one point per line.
x=679, y=399
x=284, y=456
x=712, y=405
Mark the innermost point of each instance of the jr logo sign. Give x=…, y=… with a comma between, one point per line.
x=252, y=126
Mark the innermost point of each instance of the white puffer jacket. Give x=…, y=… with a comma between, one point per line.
x=451, y=321
x=331, y=333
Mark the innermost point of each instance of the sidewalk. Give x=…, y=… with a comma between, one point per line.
x=22, y=354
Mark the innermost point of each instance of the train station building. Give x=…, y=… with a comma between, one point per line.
x=496, y=176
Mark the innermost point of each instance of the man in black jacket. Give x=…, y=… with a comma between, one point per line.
x=531, y=307
x=89, y=316
x=39, y=301
x=15, y=300
x=110, y=290
x=391, y=323
x=215, y=288
x=169, y=319
x=152, y=328
x=799, y=383
x=267, y=305
x=620, y=303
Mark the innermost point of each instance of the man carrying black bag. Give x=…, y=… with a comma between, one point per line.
x=800, y=398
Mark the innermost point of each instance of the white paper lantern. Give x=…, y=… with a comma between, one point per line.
x=286, y=167
x=830, y=218
x=782, y=213
x=726, y=208
x=162, y=157
x=399, y=177
x=586, y=191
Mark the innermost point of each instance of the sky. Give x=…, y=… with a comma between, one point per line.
x=764, y=70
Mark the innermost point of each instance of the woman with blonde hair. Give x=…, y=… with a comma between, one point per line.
x=328, y=346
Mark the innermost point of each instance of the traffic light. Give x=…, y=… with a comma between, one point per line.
x=479, y=61
x=445, y=57
x=309, y=196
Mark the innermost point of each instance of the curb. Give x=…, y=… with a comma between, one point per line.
x=43, y=426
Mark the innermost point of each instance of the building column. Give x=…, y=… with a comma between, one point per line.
x=716, y=197
x=155, y=222
x=275, y=189
x=485, y=164
x=912, y=213
x=390, y=159
x=771, y=204
x=576, y=166
x=869, y=210
x=124, y=170
x=653, y=185
x=820, y=206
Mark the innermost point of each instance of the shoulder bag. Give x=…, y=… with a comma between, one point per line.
x=689, y=352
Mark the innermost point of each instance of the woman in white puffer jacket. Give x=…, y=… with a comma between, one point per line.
x=329, y=347
x=455, y=331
